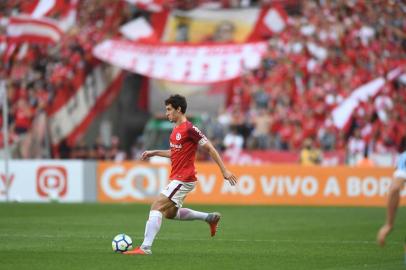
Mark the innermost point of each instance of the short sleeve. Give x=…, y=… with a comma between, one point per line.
x=401, y=167
x=197, y=136
x=401, y=163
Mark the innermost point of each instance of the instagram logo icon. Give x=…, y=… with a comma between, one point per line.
x=52, y=181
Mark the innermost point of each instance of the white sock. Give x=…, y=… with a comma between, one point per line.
x=189, y=214
x=152, y=228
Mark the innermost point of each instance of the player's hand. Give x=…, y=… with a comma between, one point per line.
x=382, y=233
x=230, y=177
x=146, y=154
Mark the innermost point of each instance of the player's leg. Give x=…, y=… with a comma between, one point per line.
x=182, y=190
x=153, y=225
x=190, y=214
x=211, y=218
x=155, y=220
x=392, y=205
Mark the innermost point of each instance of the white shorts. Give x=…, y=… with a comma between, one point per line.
x=177, y=190
x=400, y=174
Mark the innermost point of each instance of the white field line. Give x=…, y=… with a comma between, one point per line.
x=333, y=242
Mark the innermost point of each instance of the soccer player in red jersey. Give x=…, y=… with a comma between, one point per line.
x=184, y=140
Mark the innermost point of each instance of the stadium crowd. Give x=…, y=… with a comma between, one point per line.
x=42, y=76
x=313, y=65
x=322, y=55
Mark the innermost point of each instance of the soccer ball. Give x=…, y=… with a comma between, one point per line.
x=121, y=243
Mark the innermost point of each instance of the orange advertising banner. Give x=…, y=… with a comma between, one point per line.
x=265, y=184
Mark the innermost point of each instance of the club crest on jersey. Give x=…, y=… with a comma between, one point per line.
x=178, y=136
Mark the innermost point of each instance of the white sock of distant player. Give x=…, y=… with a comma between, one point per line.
x=152, y=228
x=189, y=214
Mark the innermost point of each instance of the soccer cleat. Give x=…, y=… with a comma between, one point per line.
x=213, y=220
x=138, y=251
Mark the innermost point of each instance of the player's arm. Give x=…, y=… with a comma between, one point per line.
x=151, y=153
x=208, y=146
x=392, y=206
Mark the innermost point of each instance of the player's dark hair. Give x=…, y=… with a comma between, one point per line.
x=177, y=101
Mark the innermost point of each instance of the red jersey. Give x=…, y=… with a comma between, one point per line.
x=184, y=141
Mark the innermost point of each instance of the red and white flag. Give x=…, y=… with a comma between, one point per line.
x=44, y=8
x=343, y=112
x=183, y=63
x=27, y=29
x=270, y=21
x=71, y=118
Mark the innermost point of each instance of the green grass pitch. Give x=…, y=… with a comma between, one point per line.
x=78, y=236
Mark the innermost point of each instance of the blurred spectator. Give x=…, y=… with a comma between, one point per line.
x=365, y=162
x=92, y=152
x=260, y=137
x=114, y=152
x=327, y=136
x=63, y=151
x=100, y=149
x=356, y=146
x=233, y=140
x=137, y=148
x=310, y=155
x=79, y=151
x=23, y=115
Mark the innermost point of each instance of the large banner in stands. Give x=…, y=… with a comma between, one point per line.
x=268, y=185
x=182, y=63
x=43, y=180
x=199, y=46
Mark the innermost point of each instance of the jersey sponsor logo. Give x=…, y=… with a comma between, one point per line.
x=52, y=180
x=177, y=146
x=178, y=136
x=198, y=131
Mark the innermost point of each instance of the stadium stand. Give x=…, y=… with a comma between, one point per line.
x=42, y=76
x=327, y=50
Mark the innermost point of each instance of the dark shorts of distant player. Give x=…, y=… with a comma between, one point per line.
x=177, y=191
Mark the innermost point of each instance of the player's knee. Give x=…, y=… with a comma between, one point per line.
x=170, y=213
